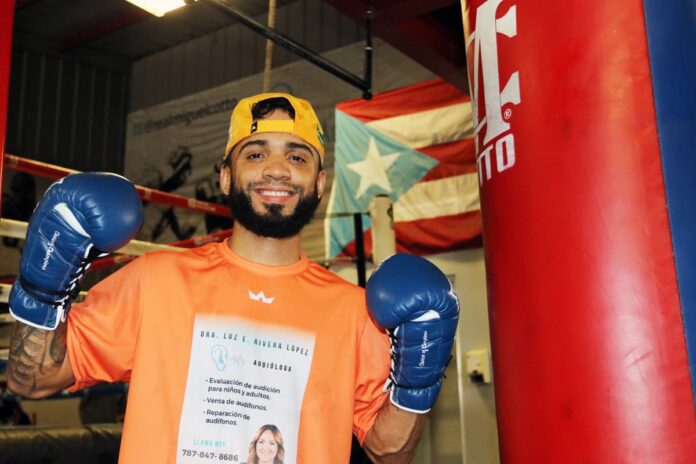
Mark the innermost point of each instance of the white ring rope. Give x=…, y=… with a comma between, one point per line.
x=18, y=229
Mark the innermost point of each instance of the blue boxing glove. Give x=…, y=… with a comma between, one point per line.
x=80, y=217
x=414, y=301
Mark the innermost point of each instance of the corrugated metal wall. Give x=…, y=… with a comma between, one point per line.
x=236, y=52
x=65, y=112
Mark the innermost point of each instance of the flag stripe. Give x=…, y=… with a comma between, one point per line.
x=430, y=127
x=429, y=236
x=443, y=197
x=455, y=158
x=412, y=99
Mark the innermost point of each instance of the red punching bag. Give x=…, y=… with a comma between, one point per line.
x=588, y=343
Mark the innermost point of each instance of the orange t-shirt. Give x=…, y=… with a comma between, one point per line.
x=215, y=347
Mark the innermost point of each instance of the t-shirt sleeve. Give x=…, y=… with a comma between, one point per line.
x=102, y=330
x=372, y=373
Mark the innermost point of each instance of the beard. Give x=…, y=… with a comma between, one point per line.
x=273, y=223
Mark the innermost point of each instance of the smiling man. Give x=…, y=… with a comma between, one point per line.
x=274, y=176
x=219, y=340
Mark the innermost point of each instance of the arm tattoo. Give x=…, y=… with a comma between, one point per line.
x=59, y=345
x=34, y=354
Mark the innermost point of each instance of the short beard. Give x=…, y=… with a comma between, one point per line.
x=272, y=224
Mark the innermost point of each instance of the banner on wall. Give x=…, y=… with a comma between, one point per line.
x=174, y=146
x=416, y=145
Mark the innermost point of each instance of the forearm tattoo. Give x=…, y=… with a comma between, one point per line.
x=34, y=354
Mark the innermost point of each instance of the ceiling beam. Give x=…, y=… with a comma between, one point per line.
x=434, y=53
x=100, y=59
x=21, y=4
x=435, y=37
x=421, y=37
x=405, y=9
x=130, y=17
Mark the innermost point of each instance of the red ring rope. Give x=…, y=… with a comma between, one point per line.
x=155, y=196
x=52, y=171
x=189, y=243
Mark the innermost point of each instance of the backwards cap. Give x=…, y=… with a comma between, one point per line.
x=305, y=125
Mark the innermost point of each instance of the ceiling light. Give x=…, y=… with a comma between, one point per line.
x=158, y=7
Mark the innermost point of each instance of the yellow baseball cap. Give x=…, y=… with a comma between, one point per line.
x=305, y=125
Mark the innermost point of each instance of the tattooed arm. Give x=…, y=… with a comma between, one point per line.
x=38, y=364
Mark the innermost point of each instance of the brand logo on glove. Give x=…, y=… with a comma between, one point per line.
x=51, y=248
x=498, y=146
x=424, y=349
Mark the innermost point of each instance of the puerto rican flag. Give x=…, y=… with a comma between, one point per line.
x=416, y=145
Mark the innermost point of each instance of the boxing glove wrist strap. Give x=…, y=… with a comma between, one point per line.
x=40, y=293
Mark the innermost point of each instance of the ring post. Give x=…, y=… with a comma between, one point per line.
x=6, y=20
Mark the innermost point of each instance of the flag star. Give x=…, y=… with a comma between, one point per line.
x=373, y=169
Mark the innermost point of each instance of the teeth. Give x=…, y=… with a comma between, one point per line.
x=274, y=193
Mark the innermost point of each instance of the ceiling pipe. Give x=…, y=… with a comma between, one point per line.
x=365, y=85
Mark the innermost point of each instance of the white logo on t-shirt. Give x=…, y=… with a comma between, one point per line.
x=261, y=297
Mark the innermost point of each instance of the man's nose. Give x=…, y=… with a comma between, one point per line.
x=276, y=168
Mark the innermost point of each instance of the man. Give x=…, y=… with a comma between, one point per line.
x=222, y=340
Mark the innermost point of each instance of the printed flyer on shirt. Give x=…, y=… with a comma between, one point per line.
x=244, y=392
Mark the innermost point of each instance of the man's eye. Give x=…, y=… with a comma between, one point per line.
x=254, y=155
x=297, y=159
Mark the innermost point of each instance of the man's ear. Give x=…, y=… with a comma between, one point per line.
x=225, y=178
x=321, y=182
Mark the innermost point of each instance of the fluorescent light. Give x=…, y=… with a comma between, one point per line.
x=158, y=7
